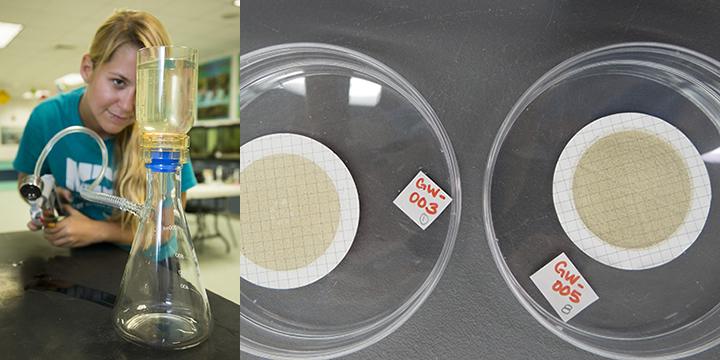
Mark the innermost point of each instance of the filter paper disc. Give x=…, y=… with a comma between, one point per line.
x=631, y=191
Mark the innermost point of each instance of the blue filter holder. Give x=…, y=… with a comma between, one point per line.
x=164, y=161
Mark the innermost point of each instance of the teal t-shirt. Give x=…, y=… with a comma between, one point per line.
x=76, y=160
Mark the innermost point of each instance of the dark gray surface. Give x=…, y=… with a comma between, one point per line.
x=472, y=60
x=42, y=323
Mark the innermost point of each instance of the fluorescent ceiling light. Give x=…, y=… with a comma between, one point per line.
x=71, y=79
x=8, y=32
x=236, y=3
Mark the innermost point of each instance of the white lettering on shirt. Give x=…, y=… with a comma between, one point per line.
x=79, y=176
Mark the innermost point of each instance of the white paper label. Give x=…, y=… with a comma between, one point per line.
x=564, y=287
x=422, y=200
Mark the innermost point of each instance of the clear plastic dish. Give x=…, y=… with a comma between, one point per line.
x=384, y=132
x=668, y=311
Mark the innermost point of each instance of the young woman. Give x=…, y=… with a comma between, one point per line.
x=107, y=106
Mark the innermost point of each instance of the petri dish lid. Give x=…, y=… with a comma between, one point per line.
x=668, y=309
x=385, y=133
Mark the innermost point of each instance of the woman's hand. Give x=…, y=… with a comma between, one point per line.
x=48, y=216
x=64, y=194
x=75, y=230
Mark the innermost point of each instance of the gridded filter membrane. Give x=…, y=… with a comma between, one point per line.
x=631, y=191
x=300, y=211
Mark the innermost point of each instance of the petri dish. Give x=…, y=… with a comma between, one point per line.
x=385, y=133
x=668, y=308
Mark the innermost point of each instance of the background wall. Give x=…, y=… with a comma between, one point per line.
x=13, y=115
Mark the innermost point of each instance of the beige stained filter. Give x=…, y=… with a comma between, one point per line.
x=289, y=212
x=299, y=211
x=632, y=189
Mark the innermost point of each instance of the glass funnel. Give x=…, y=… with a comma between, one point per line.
x=166, y=100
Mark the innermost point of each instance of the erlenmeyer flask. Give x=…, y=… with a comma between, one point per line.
x=162, y=301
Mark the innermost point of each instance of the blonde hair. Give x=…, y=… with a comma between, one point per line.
x=139, y=29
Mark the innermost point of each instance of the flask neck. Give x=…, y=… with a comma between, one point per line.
x=163, y=216
x=163, y=185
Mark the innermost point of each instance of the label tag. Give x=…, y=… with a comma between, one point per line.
x=422, y=200
x=563, y=286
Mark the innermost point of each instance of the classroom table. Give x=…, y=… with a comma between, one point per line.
x=56, y=303
x=219, y=193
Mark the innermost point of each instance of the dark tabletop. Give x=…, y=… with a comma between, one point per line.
x=37, y=322
x=472, y=60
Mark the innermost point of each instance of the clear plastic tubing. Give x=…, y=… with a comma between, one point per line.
x=89, y=194
x=67, y=131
